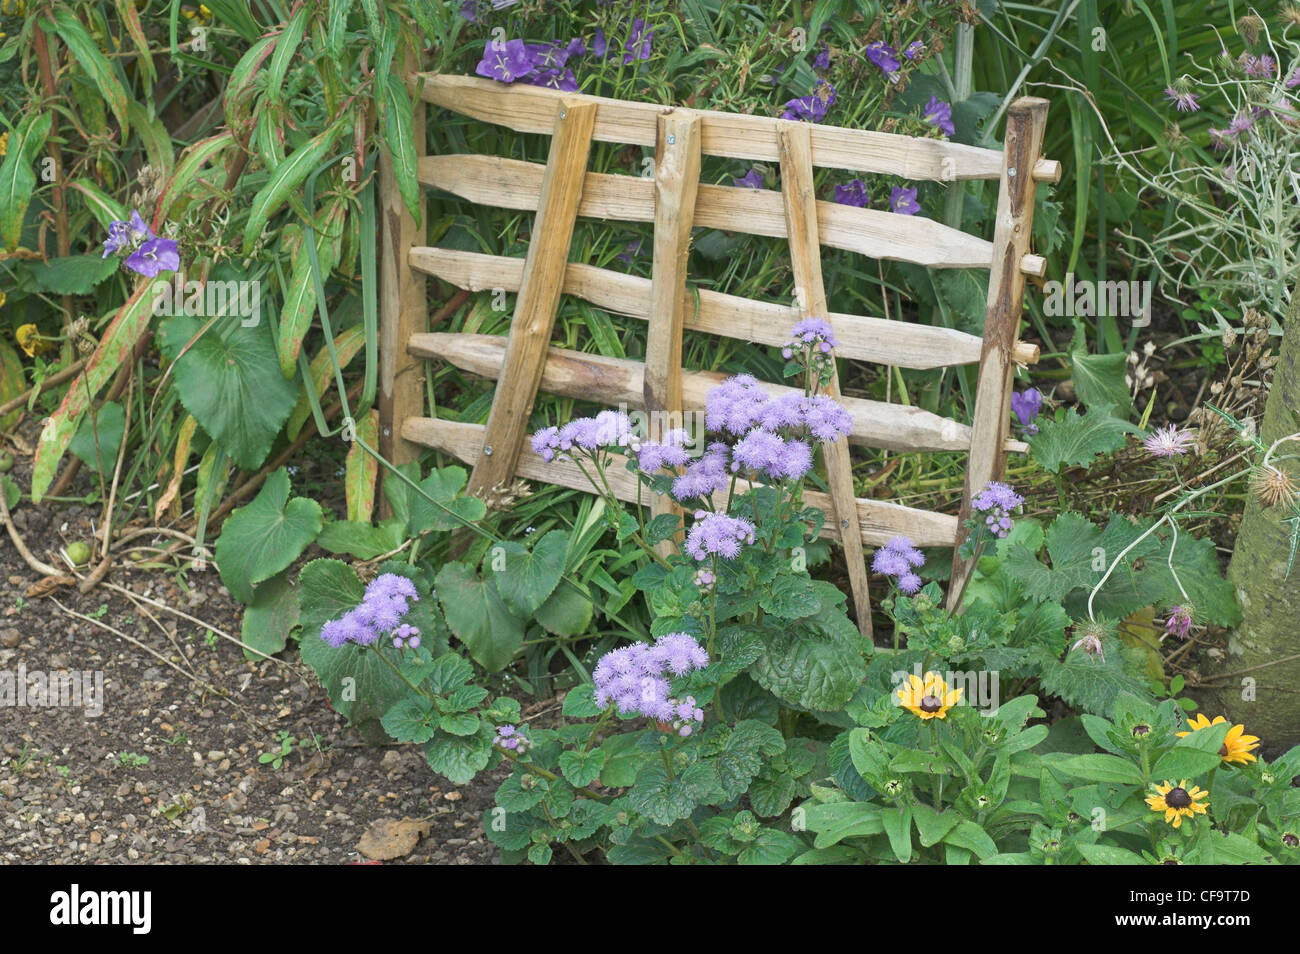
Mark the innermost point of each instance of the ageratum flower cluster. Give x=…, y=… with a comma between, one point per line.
x=995, y=502
x=386, y=601
x=900, y=559
x=635, y=679
x=718, y=534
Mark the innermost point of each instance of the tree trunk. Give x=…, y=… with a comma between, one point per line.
x=1269, y=706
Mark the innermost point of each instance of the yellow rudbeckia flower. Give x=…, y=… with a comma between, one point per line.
x=1177, y=802
x=1236, y=746
x=929, y=698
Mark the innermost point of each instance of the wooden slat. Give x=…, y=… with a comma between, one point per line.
x=620, y=382
x=881, y=340
x=676, y=184
x=990, y=422
x=515, y=184
x=800, y=201
x=877, y=519
x=539, y=296
x=402, y=310
x=732, y=135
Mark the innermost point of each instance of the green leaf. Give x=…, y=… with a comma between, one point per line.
x=932, y=826
x=88, y=57
x=770, y=847
x=790, y=596
x=582, y=768
x=458, y=758
x=72, y=274
x=898, y=827
x=411, y=720
x=460, y=723
x=230, y=381
x=809, y=672
x=17, y=180
x=580, y=702
x=270, y=618
x=443, y=485
x=1102, y=768
x=835, y=821
x=448, y=673
x=1099, y=378
x=1109, y=855
x=664, y=799
x=288, y=177
x=96, y=442
x=972, y=837
x=397, y=122
x=566, y=612
x=524, y=577
x=477, y=615
x=361, y=540
x=261, y=539
x=1075, y=440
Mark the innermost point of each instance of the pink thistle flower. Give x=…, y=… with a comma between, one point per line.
x=1170, y=442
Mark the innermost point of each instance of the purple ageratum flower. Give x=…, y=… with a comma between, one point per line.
x=154, y=256
x=1026, y=405
x=939, y=115
x=914, y=49
x=900, y=559
x=822, y=61
x=384, y=603
x=735, y=405
x=706, y=476
x=884, y=56
x=903, y=201
x=853, y=192
x=995, y=502
x=826, y=419
x=509, y=737
x=813, y=107
x=512, y=61
x=635, y=677
x=638, y=42
x=753, y=179
x=718, y=534
x=545, y=443
x=654, y=455
x=1184, y=100
x=1170, y=441
x=606, y=429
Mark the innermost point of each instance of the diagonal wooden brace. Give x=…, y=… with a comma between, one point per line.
x=539, y=298
x=795, y=146
x=677, y=181
x=1026, y=121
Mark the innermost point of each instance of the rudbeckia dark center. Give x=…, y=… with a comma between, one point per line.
x=1223, y=749
x=1178, y=798
x=931, y=704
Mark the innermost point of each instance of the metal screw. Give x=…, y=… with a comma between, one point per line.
x=487, y=450
x=672, y=139
x=1011, y=173
x=563, y=113
x=844, y=524
x=387, y=431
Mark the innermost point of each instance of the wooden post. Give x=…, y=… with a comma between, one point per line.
x=403, y=310
x=677, y=181
x=795, y=142
x=539, y=297
x=1026, y=120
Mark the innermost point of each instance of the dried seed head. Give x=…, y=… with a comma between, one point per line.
x=1290, y=15
x=1249, y=27
x=1273, y=487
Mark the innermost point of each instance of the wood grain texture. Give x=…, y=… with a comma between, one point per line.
x=878, y=520
x=516, y=184
x=403, y=310
x=800, y=202
x=861, y=338
x=676, y=184
x=1026, y=120
x=732, y=135
x=615, y=381
x=540, y=287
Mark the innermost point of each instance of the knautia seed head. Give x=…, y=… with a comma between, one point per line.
x=1273, y=487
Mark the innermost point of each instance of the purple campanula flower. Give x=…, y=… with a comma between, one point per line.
x=599, y=45
x=638, y=42
x=630, y=251
x=914, y=49
x=1026, y=405
x=575, y=48
x=822, y=61
x=154, y=256
x=813, y=107
x=556, y=78
x=903, y=201
x=884, y=56
x=507, y=64
x=939, y=115
x=753, y=179
x=853, y=192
